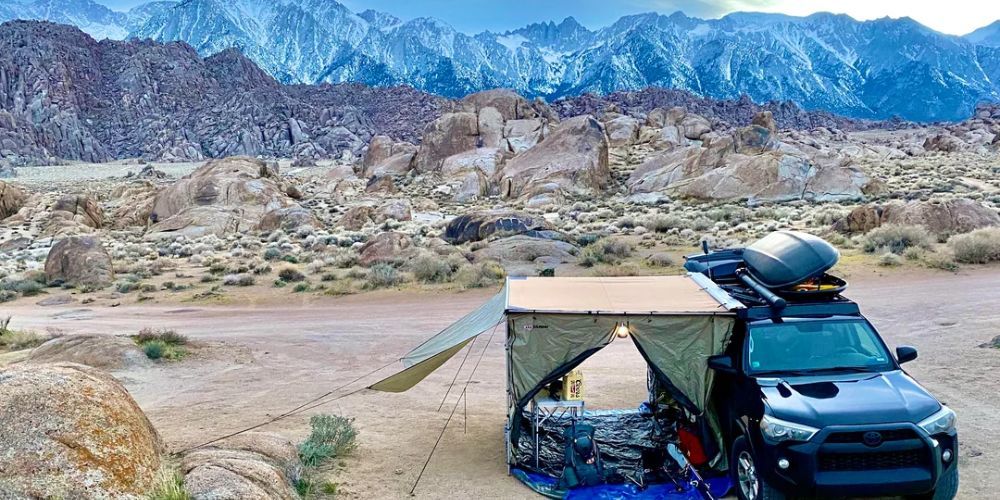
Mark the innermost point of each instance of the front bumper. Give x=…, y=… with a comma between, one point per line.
x=837, y=462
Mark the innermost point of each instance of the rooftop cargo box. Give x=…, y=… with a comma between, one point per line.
x=785, y=258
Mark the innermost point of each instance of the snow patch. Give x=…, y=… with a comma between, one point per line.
x=512, y=42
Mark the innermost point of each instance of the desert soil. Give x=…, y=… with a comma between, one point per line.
x=268, y=358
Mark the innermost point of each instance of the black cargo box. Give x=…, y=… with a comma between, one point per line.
x=785, y=258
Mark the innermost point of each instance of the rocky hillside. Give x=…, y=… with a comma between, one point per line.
x=872, y=69
x=65, y=96
x=725, y=113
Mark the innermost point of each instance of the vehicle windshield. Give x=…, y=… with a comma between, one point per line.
x=810, y=347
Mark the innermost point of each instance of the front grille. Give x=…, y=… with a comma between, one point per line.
x=858, y=436
x=830, y=462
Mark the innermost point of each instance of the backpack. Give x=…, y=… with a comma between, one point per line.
x=584, y=466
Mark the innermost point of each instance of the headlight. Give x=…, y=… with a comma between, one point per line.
x=942, y=421
x=777, y=430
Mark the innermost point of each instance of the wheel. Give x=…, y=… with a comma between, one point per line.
x=749, y=483
x=947, y=487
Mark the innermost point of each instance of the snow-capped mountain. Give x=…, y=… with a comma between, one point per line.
x=987, y=35
x=872, y=69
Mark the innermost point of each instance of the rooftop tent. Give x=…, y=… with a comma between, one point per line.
x=553, y=324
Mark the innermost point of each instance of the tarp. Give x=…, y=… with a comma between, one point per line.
x=429, y=356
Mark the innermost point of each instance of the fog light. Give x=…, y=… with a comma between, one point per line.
x=783, y=463
x=946, y=455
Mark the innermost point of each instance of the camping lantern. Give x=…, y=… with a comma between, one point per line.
x=622, y=330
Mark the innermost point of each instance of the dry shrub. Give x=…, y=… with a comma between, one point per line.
x=480, y=275
x=605, y=251
x=981, y=246
x=896, y=238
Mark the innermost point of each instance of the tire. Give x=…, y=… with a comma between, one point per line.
x=747, y=482
x=947, y=487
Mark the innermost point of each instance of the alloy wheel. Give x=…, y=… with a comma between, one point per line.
x=746, y=472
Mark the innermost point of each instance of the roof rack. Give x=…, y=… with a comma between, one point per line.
x=727, y=268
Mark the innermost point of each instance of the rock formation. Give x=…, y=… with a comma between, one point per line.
x=81, y=261
x=223, y=196
x=72, y=431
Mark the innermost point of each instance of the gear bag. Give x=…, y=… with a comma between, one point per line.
x=583, y=459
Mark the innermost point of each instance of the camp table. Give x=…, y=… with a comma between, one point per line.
x=544, y=408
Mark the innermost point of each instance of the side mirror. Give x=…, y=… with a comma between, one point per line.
x=905, y=353
x=722, y=363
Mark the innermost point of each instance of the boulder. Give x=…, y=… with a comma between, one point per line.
x=356, y=218
x=572, y=159
x=72, y=431
x=288, y=219
x=81, y=261
x=523, y=249
x=749, y=164
x=622, y=131
x=478, y=226
x=484, y=160
x=134, y=204
x=381, y=185
x=663, y=117
x=450, y=134
x=386, y=247
x=254, y=465
x=81, y=209
x=220, y=197
x=860, y=220
x=385, y=157
x=398, y=210
x=196, y=222
x=98, y=351
x=941, y=217
x=11, y=199
x=379, y=150
x=694, y=126
x=491, y=127
x=765, y=119
x=521, y=135
x=510, y=104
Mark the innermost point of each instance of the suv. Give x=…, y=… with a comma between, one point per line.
x=812, y=403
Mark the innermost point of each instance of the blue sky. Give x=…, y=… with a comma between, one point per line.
x=954, y=16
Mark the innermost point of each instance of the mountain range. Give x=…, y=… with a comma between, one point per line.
x=872, y=69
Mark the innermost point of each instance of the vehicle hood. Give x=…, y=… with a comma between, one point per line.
x=854, y=399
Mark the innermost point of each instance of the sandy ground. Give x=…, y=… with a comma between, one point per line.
x=276, y=356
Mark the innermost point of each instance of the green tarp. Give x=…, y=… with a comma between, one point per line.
x=429, y=356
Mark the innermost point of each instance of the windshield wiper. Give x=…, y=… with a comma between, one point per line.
x=853, y=369
x=783, y=373
x=813, y=371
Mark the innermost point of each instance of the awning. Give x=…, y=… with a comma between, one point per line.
x=632, y=295
x=566, y=306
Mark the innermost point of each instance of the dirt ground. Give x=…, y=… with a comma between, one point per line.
x=269, y=358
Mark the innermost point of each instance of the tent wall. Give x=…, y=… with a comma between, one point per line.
x=538, y=345
x=679, y=346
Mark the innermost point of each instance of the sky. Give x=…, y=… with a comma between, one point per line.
x=956, y=17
